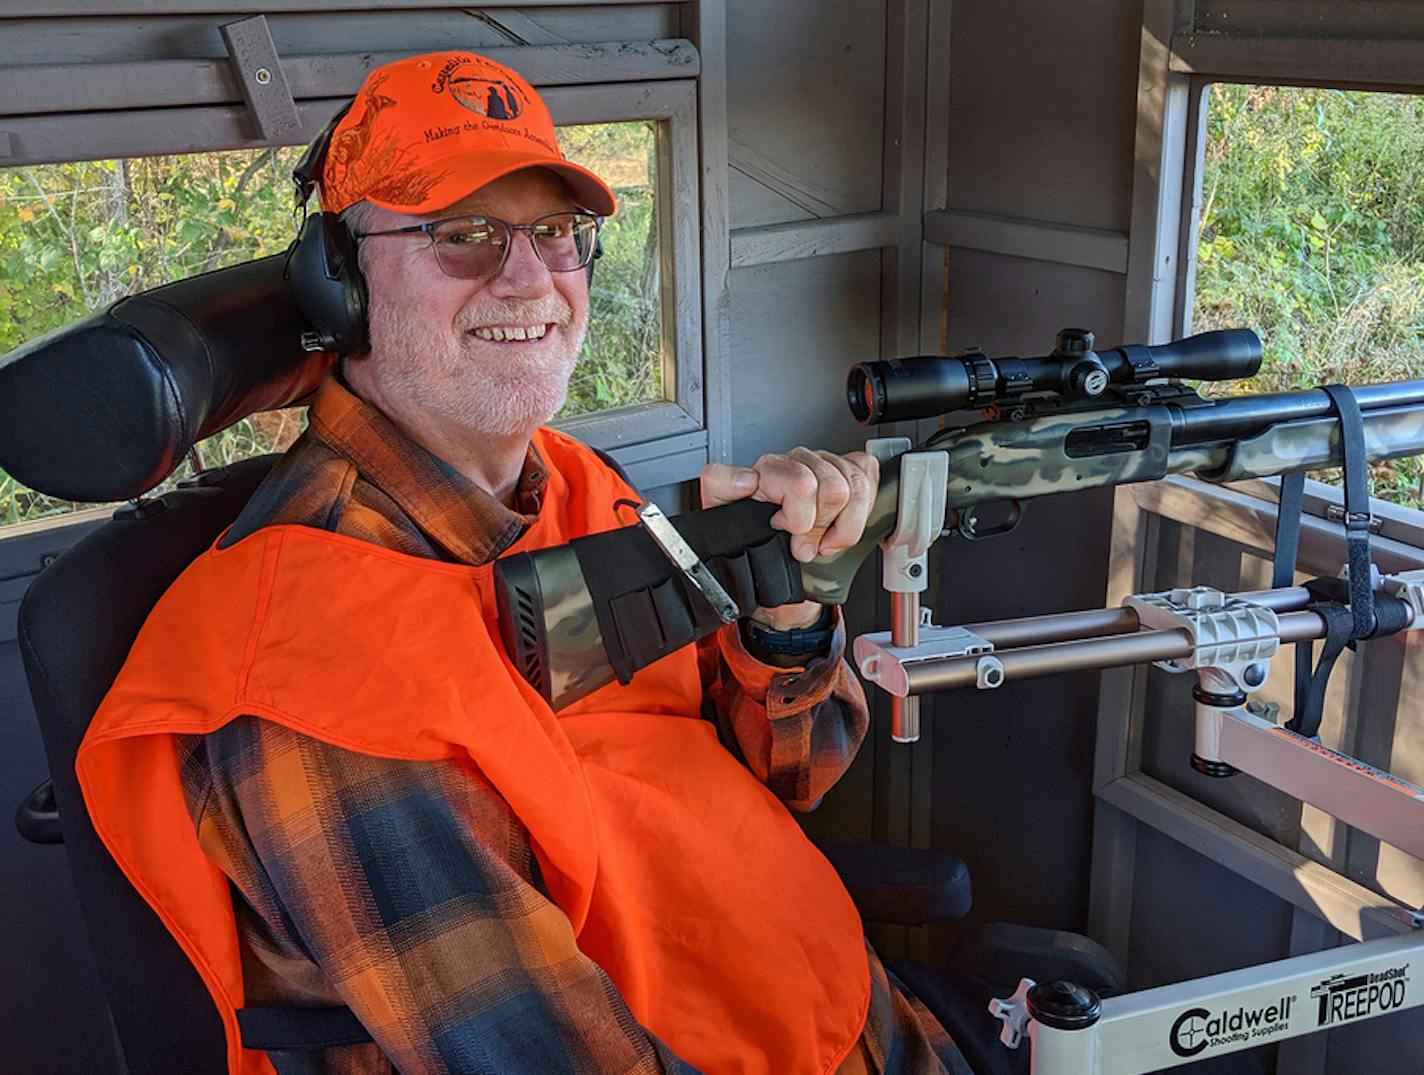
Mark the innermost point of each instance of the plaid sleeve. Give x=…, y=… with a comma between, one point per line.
x=410, y=891
x=797, y=729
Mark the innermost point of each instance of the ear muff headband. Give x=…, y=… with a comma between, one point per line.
x=322, y=263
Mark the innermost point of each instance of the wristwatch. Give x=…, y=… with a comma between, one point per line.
x=797, y=642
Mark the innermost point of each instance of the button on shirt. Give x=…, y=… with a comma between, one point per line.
x=409, y=890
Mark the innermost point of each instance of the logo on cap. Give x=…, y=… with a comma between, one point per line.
x=481, y=89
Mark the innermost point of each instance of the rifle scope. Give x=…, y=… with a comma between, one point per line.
x=905, y=388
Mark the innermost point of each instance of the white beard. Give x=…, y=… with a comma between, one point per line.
x=475, y=385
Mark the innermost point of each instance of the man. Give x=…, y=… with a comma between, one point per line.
x=321, y=771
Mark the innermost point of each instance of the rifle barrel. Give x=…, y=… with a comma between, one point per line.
x=1243, y=416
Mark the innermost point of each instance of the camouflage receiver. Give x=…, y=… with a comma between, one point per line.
x=560, y=607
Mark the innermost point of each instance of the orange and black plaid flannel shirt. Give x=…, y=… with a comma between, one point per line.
x=409, y=891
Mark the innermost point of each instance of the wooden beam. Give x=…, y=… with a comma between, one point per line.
x=1337, y=61
x=48, y=88
x=1251, y=521
x=705, y=23
x=1329, y=19
x=1349, y=907
x=147, y=132
x=813, y=238
x=800, y=191
x=25, y=9
x=1159, y=169
x=1040, y=240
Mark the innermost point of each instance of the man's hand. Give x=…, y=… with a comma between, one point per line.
x=824, y=499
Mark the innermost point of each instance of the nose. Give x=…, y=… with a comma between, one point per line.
x=522, y=275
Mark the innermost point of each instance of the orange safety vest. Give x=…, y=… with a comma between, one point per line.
x=727, y=933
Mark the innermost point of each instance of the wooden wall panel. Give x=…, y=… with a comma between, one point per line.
x=1192, y=917
x=1042, y=98
x=1012, y=787
x=1041, y=127
x=797, y=327
x=806, y=99
x=1010, y=305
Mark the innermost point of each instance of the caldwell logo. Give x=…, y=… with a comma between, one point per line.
x=1197, y=1029
x=1361, y=995
x=476, y=87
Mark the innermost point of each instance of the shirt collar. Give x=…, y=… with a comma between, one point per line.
x=458, y=516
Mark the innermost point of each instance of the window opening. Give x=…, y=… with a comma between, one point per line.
x=76, y=237
x=1312, y=232
x=628, y=344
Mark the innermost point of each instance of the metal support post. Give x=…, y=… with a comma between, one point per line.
x=904, y=631
x=1063, y=1028
x=905, y=560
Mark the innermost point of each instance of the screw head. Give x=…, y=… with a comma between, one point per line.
x=1254, y=675
x=263, y=76
x=916, y=570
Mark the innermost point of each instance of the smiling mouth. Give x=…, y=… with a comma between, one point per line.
x=511, y=333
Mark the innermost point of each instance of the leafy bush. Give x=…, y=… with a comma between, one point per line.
x=1312, y=233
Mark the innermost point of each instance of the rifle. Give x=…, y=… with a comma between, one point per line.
x=575, y=617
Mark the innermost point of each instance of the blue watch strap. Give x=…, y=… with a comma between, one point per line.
x=798, y=641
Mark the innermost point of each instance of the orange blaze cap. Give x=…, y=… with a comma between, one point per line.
x=428, y=130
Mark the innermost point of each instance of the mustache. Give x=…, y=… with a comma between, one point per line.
x=550, y=309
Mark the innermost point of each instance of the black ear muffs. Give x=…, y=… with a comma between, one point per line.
x=326, y=278
x=597, y=253
x=322, y=264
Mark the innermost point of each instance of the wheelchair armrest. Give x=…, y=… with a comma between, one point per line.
x=902, y=886
x=1004, y=952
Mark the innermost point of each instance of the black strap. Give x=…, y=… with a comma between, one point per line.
x=299, y=1029
x=1290, y=507
x=1357, y=507
x=1311, y=683
x=1288, y=515
x=1348, y=609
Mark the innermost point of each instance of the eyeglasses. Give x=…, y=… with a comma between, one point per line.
x=469, y=247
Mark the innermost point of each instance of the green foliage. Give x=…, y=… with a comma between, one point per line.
x=1312, y=233
x=623, y=358
x=76, y=237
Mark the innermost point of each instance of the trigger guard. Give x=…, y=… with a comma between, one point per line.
x=965, y=523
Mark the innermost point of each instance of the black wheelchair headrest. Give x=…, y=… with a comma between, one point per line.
x=106, y=408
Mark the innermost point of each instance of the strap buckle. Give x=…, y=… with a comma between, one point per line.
x=676, y=548
x=1357, y=521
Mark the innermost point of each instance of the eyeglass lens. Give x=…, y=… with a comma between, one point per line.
x=477, y=247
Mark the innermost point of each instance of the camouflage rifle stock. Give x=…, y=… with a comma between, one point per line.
x=557, y=626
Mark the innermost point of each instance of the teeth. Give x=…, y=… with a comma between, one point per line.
x=500, y=333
